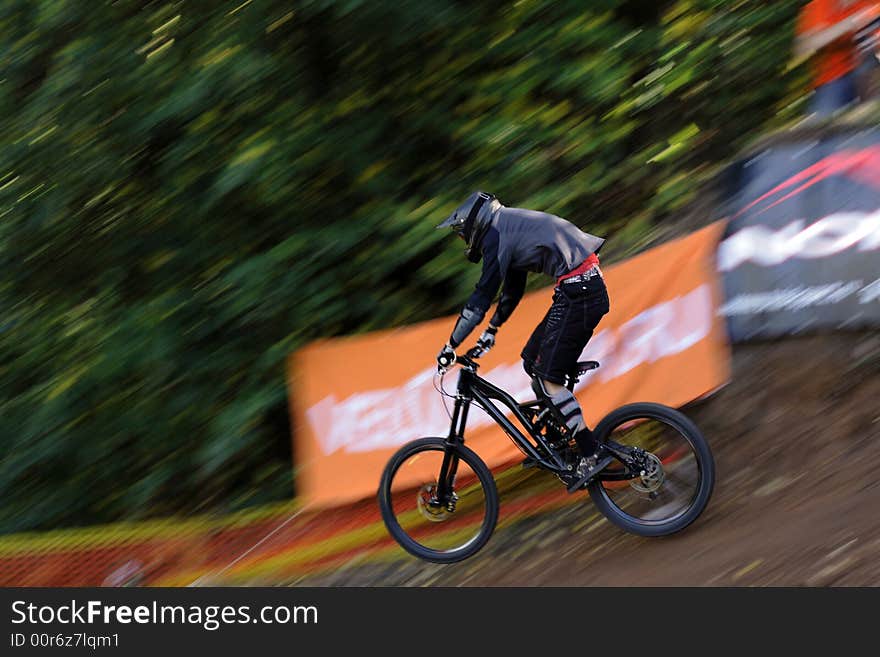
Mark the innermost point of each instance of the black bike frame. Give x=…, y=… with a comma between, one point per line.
x=472, y=388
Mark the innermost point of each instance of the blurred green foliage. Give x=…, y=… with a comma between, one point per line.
x=191, y=190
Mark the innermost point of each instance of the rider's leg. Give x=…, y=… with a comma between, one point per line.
x=556, y=345
x=570, y=413
x=533, y=347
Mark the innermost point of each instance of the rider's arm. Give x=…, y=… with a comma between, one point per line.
x=511, y=293
x=478, y=303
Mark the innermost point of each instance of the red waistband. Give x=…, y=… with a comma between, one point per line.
x=586, y=265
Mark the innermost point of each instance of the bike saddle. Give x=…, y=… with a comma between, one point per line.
x=586, y=365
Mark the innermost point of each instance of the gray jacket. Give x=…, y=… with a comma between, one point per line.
x=516, y=241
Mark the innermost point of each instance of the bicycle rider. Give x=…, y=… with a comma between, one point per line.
x=512, y=242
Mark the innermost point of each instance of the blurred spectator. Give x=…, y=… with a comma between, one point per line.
x=827, y=31
x=868, y=72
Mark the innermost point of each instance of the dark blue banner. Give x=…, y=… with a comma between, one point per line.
x=801, y=252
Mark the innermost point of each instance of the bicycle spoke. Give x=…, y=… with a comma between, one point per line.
x=437, y=521
x=662, y=495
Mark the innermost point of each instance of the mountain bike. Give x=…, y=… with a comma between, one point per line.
x=439, y=499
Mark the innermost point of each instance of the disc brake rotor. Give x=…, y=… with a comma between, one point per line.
x=428, y=505
x=651, y=477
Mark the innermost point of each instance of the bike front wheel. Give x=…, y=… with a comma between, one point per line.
x=438, y=501
x=674, y=482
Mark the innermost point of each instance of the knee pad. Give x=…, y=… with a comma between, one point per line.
x=568, y=410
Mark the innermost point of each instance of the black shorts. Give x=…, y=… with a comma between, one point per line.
x=557, y=342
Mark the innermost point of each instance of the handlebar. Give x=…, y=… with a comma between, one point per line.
x=469, y=358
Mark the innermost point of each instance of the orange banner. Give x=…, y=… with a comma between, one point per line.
x=356, y=400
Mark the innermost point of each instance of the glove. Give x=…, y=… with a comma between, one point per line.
x=446, y=357
x=487, y=340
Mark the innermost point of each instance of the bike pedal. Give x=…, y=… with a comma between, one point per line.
x=601, y=465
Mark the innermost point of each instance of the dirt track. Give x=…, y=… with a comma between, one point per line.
x=796, y=437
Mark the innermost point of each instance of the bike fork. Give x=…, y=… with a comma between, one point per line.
x=446, y=478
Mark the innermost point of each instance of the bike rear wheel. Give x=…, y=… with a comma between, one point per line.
x=438, y=522
x=673, y=487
